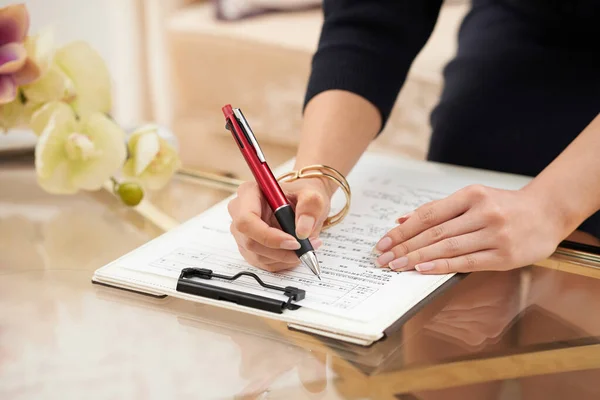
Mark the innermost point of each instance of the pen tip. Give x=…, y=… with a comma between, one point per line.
x=310, y=260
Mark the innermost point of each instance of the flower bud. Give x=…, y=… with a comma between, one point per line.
x=130, y=193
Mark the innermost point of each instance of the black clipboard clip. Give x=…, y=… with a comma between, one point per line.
x=186, y=285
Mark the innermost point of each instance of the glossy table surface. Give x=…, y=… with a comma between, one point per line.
x=532, y=333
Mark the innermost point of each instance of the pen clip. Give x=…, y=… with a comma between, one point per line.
x=249, y=134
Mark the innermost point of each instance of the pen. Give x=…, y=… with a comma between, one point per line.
x=237, y=124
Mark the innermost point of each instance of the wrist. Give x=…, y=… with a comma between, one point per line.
x=557, y=209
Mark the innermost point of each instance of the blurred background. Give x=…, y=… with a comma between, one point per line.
x=177, y=62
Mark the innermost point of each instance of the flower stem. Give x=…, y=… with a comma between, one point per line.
x=115, y=182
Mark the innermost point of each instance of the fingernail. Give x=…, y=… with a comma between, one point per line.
x=384, y=259
x=428, y=266
x=399, y=263
x=290, y=245
x=403, y=218
x=304, y=226
x=384, y=244
x=316, y=243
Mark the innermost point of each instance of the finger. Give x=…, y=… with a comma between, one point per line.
x=263, y=257
x=446, y=233
x=310, y=208
x=278, y=267
x=246, y=213
x=447, y=248
x=248, y=199
x=254, y=247
x=424, y=217
x=479, y=261
x=267, y=253
x=257, y=261
x=318, y=227
x=271, y=256
x=253, y=227
x=404, y=218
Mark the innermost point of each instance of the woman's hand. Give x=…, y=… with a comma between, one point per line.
x=258, y=234
x=476, y=228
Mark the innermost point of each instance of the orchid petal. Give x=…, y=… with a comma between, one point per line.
x=109, y=141
x=28, y=74
x=72, y=155
x=158, y=180
x=12, y=114
x=147, y=148
x=40, y=118
x=52, y=86
x=90, y=77
x=40, y=48
x=50, y=159
x=59, y=181
x=153, y=161
x=8, y=89
x=12, y=57
x=14, y=23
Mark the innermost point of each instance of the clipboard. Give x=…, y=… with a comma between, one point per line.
x=199, y=284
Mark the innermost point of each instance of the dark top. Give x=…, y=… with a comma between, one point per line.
x=524, y=83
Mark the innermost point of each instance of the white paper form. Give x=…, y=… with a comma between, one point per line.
x=351, y=287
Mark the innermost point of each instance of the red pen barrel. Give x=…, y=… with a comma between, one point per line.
x=270, y=187
x=262, y=173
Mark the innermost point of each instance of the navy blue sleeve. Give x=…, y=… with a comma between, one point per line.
x=367, y=47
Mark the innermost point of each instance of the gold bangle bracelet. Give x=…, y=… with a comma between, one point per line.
x=323, y=171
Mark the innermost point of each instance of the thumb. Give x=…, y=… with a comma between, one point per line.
x=311, y=205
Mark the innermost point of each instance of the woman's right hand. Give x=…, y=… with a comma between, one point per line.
x=258, y=235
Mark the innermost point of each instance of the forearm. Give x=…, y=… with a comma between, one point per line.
x=571, y=183
x=337, y=128
x=364, y=54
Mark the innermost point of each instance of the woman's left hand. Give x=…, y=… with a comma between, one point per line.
x=477, y=228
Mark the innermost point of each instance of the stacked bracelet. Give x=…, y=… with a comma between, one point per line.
x=323, y=171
